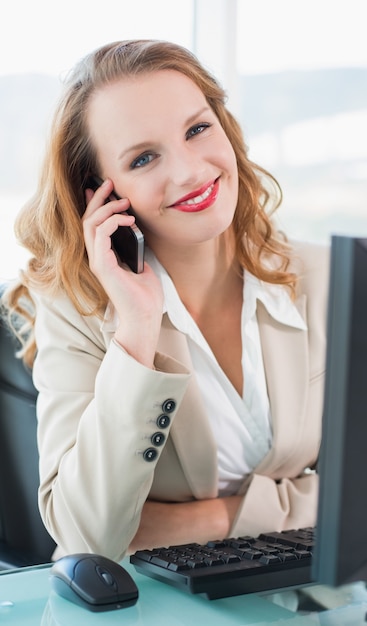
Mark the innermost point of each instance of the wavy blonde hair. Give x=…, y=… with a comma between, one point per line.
x=49, y=226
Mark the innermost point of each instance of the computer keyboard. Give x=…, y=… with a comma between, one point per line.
x=236, y=566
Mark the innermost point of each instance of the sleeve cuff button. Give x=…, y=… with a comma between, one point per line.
x=163, y=421
x=158, y=439
x=169, y=405
x=150, y=454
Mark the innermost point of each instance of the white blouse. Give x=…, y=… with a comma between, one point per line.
x=241, y=425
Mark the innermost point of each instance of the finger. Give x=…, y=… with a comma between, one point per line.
x=103, y=213
x=89, y=193
x=107, y=227
x=105, y=187
x=96, y=213
x=102, y=196
x=94, y=234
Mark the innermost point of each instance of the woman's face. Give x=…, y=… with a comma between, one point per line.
x=159, y=141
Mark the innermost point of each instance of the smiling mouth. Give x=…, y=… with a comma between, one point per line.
x=200, y=201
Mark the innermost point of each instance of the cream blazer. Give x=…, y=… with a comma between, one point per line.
x=100, y=423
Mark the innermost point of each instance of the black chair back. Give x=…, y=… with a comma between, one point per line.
x=23, y=537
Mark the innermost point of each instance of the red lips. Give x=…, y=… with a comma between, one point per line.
x=199, y=199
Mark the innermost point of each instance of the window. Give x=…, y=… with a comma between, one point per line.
x=295, y=74
x=302, y=101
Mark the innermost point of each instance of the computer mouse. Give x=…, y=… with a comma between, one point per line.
x=94, y=582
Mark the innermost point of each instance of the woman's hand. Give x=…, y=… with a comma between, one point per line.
x=137, y=298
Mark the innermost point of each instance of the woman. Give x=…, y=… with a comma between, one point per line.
x=182, y=403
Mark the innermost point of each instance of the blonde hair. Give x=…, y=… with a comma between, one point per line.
x=49, y=226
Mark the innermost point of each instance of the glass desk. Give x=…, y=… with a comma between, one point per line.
x=26, y=599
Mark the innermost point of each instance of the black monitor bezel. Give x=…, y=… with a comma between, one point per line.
x=341, y=536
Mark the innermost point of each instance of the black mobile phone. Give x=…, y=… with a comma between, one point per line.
x=127, y=241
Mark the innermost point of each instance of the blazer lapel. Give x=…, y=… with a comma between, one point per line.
x=286, y=362
x=191, y=432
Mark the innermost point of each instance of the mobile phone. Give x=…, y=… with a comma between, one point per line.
x=127, y=241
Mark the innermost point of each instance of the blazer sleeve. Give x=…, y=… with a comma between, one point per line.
x=97, y=411
x=275, y=505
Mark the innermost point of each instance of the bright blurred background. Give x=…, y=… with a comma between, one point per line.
x=295, y=74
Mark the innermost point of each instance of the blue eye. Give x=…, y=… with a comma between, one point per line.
x=142, y=160
x=196, y=130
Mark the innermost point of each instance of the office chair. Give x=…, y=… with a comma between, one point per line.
x=23, y=538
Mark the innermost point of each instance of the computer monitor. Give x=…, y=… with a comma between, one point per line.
x=341, y=536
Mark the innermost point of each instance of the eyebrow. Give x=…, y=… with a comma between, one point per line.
x=143, y=145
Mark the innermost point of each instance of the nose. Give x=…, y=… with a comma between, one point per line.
x=185, y=167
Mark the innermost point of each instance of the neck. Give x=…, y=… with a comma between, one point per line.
x=207, y=276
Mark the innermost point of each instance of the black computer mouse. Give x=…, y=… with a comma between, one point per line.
x=93, y=581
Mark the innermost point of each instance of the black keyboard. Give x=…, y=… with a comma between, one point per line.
x=231, y=567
